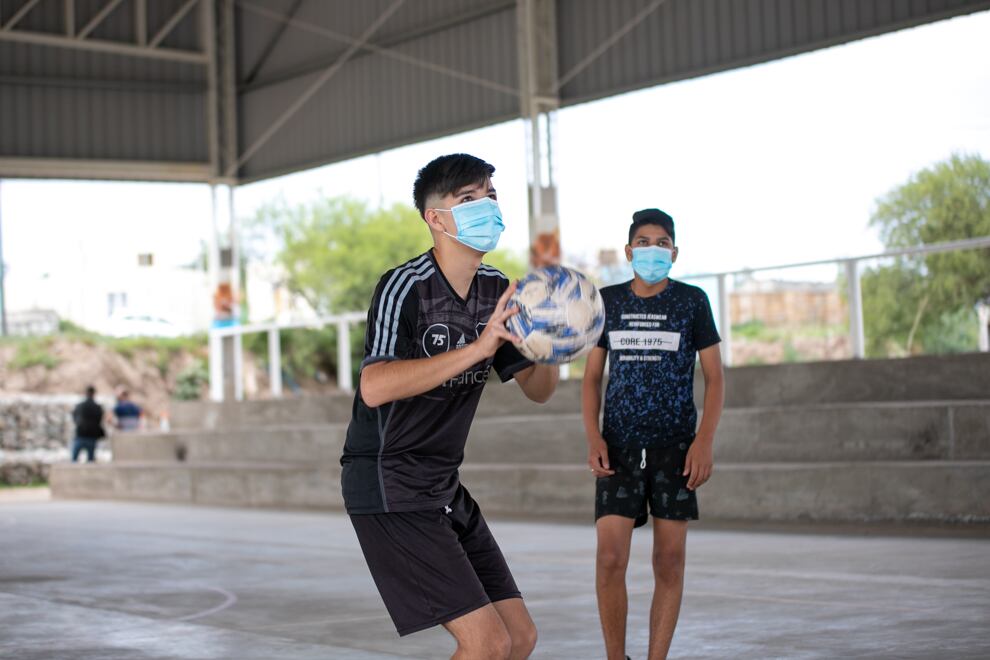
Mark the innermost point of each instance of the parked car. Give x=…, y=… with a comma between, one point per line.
x=129, y=324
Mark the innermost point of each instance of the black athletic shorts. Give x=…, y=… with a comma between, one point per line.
x=646, y=476
x=434, y=566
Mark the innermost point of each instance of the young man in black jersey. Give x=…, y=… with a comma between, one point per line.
x=436, y=327
x=648, y=455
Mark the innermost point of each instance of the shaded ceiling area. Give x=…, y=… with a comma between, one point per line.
x=242, y=90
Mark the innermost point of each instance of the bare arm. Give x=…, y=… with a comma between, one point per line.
x=538, y=382
x=591, y=406
x=383, y=382
x=699, y=463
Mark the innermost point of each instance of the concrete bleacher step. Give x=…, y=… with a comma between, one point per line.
x=917, y=379
x=277, y=485
x=843, y=432
x=933, y=491
x=936, y=491
x=287, y=444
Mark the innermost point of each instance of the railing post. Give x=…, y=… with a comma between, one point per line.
x=725, y=321
x=275, y=362
x=344, y=380
x=983, y=315
x=216, y=367
x=238, y=366
x=856, y=334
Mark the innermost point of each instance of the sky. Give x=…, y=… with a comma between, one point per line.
x=775, y=163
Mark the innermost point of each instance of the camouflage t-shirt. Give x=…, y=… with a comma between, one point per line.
x=652, y=344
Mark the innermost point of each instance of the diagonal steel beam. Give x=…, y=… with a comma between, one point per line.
x=590, y=58
x=384, y=52
x=171, y=23
x=103, y=46
x=96, y=20
x=313, y=88
x=284, y=23
x=20, y=13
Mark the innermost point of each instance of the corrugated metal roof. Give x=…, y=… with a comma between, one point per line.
x=434, y=67
x=687, y=38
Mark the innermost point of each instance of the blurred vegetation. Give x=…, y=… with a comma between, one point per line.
x=34, y=353
x=190, y=381
x=927, y=304
x=34, y=347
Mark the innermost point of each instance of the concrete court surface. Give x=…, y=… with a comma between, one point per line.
x=110, y=580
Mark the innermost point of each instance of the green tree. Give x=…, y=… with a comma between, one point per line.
x=927, y=303
x=333, y=250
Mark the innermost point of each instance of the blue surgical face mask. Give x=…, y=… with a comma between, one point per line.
x=653, y=263
x=479, y=223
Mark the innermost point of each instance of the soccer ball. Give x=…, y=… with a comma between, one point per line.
x=560, y=315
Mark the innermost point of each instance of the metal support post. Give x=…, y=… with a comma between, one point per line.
x=537, y=45
x=855, y=296
x=725, y=320
x=983, y=315
x=237, y=347
x=216, y=367
x=275, y=362
x=3, y=291
x=235, y=288
x=345, y=381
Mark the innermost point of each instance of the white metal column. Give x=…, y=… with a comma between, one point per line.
x=983, y=316
x=537, y=45
x=3, y=291
x=855, y=299
x=344, y=377
x=725, y=320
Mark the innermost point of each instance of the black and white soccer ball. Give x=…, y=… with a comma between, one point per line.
x=560, y=317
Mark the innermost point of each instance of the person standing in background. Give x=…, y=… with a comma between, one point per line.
x=126, y=413
x=88, y=417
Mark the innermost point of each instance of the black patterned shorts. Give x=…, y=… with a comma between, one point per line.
x=644, y=477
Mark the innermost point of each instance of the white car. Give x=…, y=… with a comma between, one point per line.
x=130, y=324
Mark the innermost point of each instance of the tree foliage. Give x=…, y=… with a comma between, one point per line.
x=333, y=250
x=927, y=303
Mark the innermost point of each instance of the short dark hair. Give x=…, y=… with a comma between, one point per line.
x=90, y=392
x=444, y=175
x=652, y=217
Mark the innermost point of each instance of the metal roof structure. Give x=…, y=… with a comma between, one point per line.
x=240, y=90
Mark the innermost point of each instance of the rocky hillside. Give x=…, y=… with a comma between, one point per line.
x=154, y=371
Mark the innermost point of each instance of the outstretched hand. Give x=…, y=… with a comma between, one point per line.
x=495, y=333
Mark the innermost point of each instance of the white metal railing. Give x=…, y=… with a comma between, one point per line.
x=854, y=292
x=344, y=321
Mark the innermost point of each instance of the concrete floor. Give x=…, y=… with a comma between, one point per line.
x=108, y=581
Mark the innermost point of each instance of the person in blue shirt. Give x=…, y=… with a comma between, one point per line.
x=127, y=413
x=649, y=454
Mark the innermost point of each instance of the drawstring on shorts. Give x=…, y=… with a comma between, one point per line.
x=642, y=463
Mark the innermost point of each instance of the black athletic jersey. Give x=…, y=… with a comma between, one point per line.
x=404, y=455
x=652, y=343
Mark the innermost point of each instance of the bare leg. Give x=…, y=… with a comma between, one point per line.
x=614, y=537
x=480, y=635
x=669, y=539
x=520, y=626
